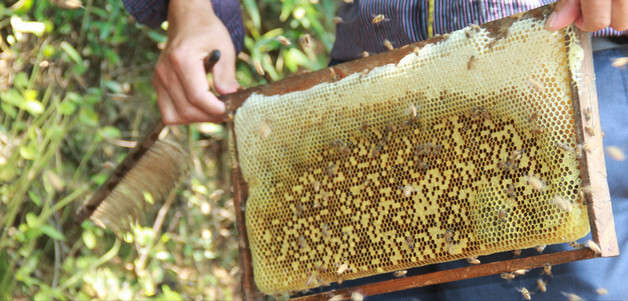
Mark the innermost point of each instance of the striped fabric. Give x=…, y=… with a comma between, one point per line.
x=153, y=12
x=408, y=21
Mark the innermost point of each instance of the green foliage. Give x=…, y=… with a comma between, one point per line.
x=74, y=86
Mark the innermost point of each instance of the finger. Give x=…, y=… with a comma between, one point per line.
x=565, y=12
x=225, y=74
x=168, y=112
x=596, y=14
x=186, y=112
x=191, y=73
x=619, y=15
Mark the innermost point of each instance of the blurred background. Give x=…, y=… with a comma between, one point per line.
x=75, y=91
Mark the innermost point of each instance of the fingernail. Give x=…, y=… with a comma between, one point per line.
x=550, y=20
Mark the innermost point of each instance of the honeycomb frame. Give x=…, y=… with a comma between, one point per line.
x=494, y=34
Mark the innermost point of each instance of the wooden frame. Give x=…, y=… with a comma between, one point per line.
x=593, y=171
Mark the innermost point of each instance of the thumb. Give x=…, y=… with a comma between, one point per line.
x=565, y=12
x=224, y=76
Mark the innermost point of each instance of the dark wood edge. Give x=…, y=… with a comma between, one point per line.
x=593, y=166
x=472, y=271
x=88, y=208
x=240, y=195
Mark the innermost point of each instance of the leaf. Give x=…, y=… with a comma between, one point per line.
x=35, y=198
x=51, y=232
x=29, y=151
x=33, y=107
x=89, y=239
x=71, y=52
x=32, y=220
x=157, y=36
x=9, y=110
x=21, y=80
x=251, y=8
x=89, y=117
x=109, y=132
x=12, y=97
x=169, y=294
x=66, y=108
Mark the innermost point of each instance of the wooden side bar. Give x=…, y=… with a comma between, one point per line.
x=472, y=271
x=240, y=195
x=593, y=165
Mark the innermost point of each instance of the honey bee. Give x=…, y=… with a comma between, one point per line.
x=343, y=268
x=325, y=229
x=474, y=27
x=336, y=298
x=540, y=248
x=400, y=273
x=594, y=247
x=533, y=117
x=388, y=44
x=507, y=276
x=325, y=195
x=503, y=215
x=547, y=269
x=542, y=285
x=537, y=130
x=391, y=127
x=298, y=210
x=590, y=130
x=410, y=242
x=470, y=62
x=601, y=291
x=264, y=129
x=365, y=54
x=563, y=146
x=516, y=253
x=331, y=170
x=437, y=149
x=587, y=114
x=364, y=126
x=379, y=18
x=620, y=62
x=301, y=242
x=332, y=74
x=407, y=190
x=615, y=153
x=416, y=50
x=316, y=185
x=576, y=245
x=525, y=293
x=521, y=272
x=562, y=203
x=572, y=297
x=312, y=280
x=473, y=260
x=536, y=85
x=283, y=40
x=337, y=20
x=306, y=41
x=422, y=165
x=355, y=296
x=323, y=282
x=536, y=183
x=510, y=191
x=503, y=165
x=413, y=111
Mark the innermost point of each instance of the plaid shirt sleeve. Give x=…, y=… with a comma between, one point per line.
x=153, y=12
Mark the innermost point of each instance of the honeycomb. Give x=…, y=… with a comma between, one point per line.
x=465, y=147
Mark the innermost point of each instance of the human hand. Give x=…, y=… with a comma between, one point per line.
x=180, y=79
x=589, y=15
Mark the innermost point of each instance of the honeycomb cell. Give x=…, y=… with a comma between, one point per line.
x=350, y=175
